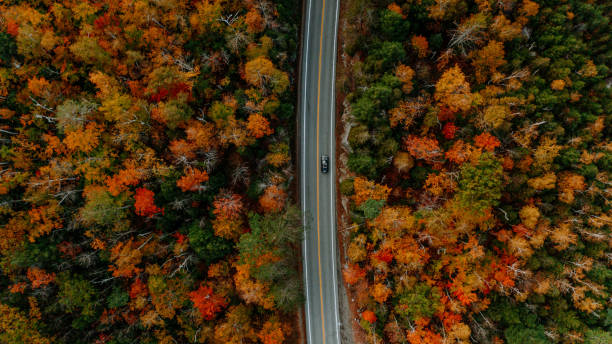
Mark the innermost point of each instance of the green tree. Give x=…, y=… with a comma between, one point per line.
x=419, y=301
x=206, y=245
x=393, y=26
x=480, y=185
x=76, y=295
x=371, y=208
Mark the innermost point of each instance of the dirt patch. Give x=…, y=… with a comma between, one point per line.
x=299, y=335
x=352, y=333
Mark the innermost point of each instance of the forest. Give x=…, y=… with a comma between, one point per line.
x=480, y=156
x=146, y=171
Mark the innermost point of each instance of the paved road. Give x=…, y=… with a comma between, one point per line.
x=316, y=130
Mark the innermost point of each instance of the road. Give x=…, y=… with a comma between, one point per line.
x=316, y=134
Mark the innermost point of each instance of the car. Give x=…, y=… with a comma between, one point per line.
x=324, y=163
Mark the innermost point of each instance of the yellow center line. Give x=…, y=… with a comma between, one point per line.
x=317, y=172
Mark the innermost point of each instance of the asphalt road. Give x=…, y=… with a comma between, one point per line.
x=316, y=124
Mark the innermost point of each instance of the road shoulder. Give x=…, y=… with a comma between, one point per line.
x=351, y=332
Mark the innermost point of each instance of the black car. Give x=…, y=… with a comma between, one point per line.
x=324, y=163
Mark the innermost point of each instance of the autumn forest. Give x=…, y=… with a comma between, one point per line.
x=480, y=159
x=148, y=171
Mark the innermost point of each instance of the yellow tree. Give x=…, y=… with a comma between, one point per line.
x=487, y=60
x=261, y=71
x=237, y=327
x=18, y=328
x=368, y=190
x=453, y=91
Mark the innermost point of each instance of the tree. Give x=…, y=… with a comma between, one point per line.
x=252, y=290
x=546, y=152
x=469, y=33
x=101, y=208
x=449, y=130
x=39, y=277
x=173, y=112
x=569, y=183
x=229, y=206
x=442, y=8
x=269, y=251
x=130, y=176
x=406, y=112
x=380, y=292
x=369, y=316
x=545, y=182
x=130, y=160
x=72, y=115
x=83, y=140
x=279, y=154
x=421, y=45
x=228, y=209
x=461, y=152
x=236, y=327
x=254, y=21
x=393, y=25
x=206, y=244
x=563, y=236
x=168, y=293
x=144, y=203
x=386, y=54
x=87, y=50
x=126, y=256
x=192, y=180
x=487, y=142
x=529, y=215
x=371, y=208
x=420, y=301
x=403, y=161
x=597, y=337
x=205, y=18
x=353, y=274
x=453, y=91
x=557, y=85
x=422, y=147
x=17, y=328
x=439, y=184
x=273, y=199
x=405, y=75
x=480, y=185
x=273, y=332
x=208, y=303
x=502, y=204
x=487, y=60
x=258, y=126
x=76, y=294
x=44, y=219
x=366, y=190
x=261, y=72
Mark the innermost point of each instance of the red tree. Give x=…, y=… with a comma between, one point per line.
x=144, y=204
x=206, y=302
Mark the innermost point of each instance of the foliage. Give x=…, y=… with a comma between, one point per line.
x=136, y=138
x=268, y=248
x=488, y=221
